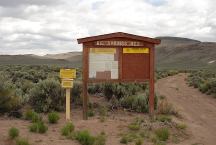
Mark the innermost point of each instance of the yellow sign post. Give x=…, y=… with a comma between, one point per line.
x=67, y=73
x=67, y=76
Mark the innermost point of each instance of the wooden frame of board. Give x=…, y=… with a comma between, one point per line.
x=135, y=61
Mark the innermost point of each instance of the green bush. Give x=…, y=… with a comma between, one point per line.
x=139, y=141
x=181, y=126
x=67, y=129
x=164, y=118
x=124, y=95
x=76, y=93
x=140, y=103
x=91, y=113
x=137, y=103
x=162, y=134
x=124, y=140
x=22, y=141
x=13, y=133
x=103, y=113
x=85, y=138
x=9, y=99
x=53, y=117
x=32, y=115
x=100, y=139
x=165, y=108
x=95, y=88
x=165, y=73
x=127, y=102
x=134, y=126
x=108, y=90
x=47, y=96
x=38, y=127
x=204, y=80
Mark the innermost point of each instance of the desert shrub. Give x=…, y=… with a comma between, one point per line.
x=38, y=127
x=91, y=113
x=138, y=103
x=67, y=129
x=22, y=141
x=139, y=141
x=127, y=102
x=129, y=137
x=181, y=126
x=85, y=138
x=124, y=140
x=76, y=93
x=164, y=118
x=109, y=90
x=124, y=95
x=46, y=96
x=212, y=87
x=100, y=139
x=166, y=73
x=103, y=113
x=95, y=89
x=164, y=107
x=53, y=117
x=204, y=80
x=162, y=134
x=28, y=114
x=13, y=132
x=136, y=124
x=32, y=115
x=9, y=100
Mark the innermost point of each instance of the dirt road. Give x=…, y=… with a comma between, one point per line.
x=198, y=110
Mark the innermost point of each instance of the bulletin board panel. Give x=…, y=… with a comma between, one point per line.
x=118, y=64
x=103, y=63
x=135, y=64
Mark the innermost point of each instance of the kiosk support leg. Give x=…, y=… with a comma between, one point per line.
x=151, y=83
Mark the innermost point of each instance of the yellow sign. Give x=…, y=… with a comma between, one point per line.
x=103, y=50
x=67, y=83
x=135, y=50
x=68, y=73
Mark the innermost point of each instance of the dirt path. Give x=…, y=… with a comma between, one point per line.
x=198, y=110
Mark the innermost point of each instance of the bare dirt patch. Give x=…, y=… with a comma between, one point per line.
x=198, y=110
x=115, y=124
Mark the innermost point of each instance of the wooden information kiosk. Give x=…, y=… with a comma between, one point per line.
x=118, y=57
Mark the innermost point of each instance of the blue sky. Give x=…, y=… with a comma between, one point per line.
x=52, y=26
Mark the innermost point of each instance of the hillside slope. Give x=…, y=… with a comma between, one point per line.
x=33, y=60
x=183, y=53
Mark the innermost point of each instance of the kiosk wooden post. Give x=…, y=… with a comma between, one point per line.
x=85, y=84
x=118, y=57
x=151, y=83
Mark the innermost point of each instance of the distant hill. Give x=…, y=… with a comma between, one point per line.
x=172, y=53
x=35, y=60
x=183, y=53
x=67, y=56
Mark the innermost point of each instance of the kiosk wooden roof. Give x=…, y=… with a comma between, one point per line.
x=119, y=35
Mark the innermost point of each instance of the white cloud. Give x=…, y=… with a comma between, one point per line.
x=52, y=27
